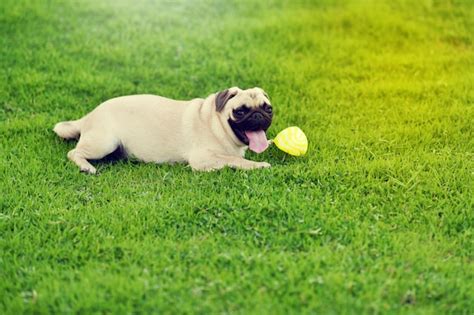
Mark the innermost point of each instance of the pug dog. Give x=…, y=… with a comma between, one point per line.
x=208, y=134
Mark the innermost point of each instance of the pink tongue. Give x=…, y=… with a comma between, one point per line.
x=257, y=140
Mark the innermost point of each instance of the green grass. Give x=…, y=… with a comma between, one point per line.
x=377, y=218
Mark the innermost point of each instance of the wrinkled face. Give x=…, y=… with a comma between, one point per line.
x=249, y=114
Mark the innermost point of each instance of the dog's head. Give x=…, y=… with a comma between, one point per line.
x=248, y=113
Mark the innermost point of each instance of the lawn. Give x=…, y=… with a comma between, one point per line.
x=377, y=218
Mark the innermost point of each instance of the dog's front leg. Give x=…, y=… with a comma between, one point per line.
x=240, y=162
x=218, y=161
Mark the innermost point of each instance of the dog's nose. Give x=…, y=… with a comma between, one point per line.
x=258, y=117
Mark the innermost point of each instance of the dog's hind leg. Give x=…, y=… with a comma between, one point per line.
x=92, y=146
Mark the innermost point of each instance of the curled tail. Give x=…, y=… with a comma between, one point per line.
x=68, y=129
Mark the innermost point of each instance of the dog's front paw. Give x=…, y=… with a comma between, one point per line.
x=263, y=165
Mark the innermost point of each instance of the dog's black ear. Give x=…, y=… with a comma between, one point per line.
x=222, y=98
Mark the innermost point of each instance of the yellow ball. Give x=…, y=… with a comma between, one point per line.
x=292, y=140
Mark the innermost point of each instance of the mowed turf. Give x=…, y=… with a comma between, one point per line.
x=377, y=217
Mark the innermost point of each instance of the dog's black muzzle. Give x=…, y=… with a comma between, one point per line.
x=254, y=120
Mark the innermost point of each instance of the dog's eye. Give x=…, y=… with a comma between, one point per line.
x=240, y=112
x=267, y=108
